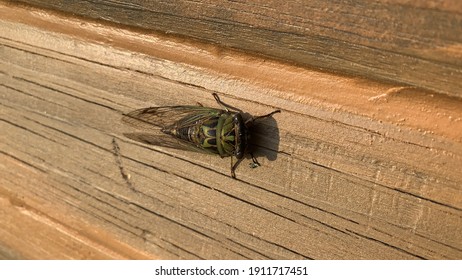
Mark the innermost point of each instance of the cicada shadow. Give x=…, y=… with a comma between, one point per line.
x=264, y=139
x=226, y=132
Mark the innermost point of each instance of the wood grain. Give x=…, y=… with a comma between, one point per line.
x=416, y=43
x=372, y=175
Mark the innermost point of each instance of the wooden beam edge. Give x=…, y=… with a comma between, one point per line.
x=406, y=107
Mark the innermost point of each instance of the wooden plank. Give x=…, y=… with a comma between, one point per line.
x=373, y=175
x=415, y=43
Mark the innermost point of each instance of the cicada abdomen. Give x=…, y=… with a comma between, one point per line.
x=197, y=128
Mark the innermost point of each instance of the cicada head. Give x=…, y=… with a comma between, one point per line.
x=242, y=136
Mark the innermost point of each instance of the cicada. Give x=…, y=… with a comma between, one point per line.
x=196, y=128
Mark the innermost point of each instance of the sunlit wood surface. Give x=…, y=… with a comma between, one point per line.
x=351, y=169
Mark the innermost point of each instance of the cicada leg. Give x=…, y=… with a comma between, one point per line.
x=253, y=119
x=254, y=163
x=234, y=166
x=224, y=105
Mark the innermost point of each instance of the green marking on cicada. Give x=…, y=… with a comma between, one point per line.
x=197, y=128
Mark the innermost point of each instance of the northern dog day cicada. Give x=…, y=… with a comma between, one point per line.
x=196, y=128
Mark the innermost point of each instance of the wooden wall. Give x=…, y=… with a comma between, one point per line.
x=364, y=162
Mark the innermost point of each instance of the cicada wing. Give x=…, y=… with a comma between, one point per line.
x=153, y=118
x=150, y=123
x=163, y=140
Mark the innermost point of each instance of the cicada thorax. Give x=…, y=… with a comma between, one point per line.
x=223, y=133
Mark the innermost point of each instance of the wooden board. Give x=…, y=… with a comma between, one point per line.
x=372, y=175
x=416, y=43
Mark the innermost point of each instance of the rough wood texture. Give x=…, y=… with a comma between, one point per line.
x=417, y=43
x=374, y=174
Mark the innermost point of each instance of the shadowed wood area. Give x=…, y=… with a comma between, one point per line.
x=351, y=168
x=416, y=43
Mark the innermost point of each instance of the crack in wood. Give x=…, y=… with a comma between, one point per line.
x=126, y=176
